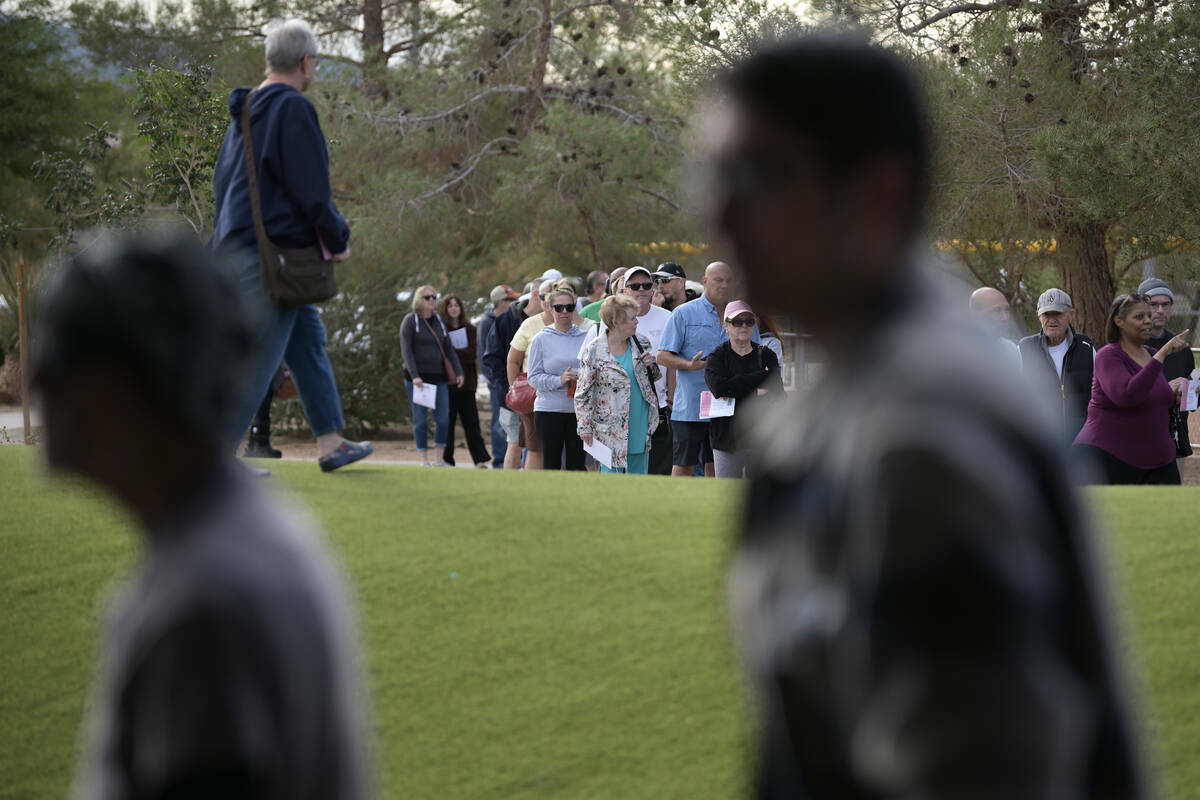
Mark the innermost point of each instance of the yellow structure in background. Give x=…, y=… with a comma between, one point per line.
x=968, y=246
x=670, y=248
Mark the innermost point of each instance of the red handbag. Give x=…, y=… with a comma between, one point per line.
x=521, y=395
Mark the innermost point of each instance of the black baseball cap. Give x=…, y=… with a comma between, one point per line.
x=670, y=270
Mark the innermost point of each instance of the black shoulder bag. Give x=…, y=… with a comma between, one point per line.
x=290, y=277
x=649, y=374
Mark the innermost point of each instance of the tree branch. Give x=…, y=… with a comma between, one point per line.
x=961, y=8
x=464, y=173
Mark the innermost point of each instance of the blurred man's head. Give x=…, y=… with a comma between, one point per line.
x=820, y=160
x=1055, y=312
x=502, y=297
x=639, y=284
x=1161, y=302
x=990, y=307
x=534, y=306
x=597, y=280
x=718, y=283
x=544, y=288
x=142, y=349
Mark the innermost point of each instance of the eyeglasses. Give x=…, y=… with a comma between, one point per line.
x=430, y=296
x=741, y=322
x=639, y=286
x=563, y=309
x=665, y=280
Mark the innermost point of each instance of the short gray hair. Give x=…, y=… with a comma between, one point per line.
x=288, y=44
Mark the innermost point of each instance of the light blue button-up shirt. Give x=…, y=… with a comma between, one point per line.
x=694, y=327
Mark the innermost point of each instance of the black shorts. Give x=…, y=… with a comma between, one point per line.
x=689, y=440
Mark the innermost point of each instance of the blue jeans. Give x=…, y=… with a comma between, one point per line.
x=499, y=440
x=295, y=336
x=441, y=418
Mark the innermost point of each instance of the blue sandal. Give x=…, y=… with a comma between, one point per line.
x=347, y=453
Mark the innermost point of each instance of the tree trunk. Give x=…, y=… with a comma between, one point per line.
x=1087, y=276
x=586, y=213
x=374, y=63
x=537, y=80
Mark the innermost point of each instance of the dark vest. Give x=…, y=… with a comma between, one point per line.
x=1075, y=387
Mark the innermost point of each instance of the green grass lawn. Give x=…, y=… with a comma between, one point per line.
x=526, y=635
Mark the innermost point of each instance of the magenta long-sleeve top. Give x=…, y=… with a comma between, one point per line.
x=1128, y=415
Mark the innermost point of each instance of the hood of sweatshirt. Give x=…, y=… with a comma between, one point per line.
x=238, y=96
x=574, y=332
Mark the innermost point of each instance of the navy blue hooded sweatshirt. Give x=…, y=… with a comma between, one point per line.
x=293, y=174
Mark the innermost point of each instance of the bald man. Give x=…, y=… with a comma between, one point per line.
x=990, y=307
x=694, y=330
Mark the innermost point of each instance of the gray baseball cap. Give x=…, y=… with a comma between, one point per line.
x=1054, y=300
x=1153, y=286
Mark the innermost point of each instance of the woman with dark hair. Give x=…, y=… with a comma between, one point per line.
x=462, y=396
x=1128, y=423
x=771, y=336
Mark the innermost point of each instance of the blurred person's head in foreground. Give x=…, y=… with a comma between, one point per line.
x=893, y=489
x=141, y=347
x=815, y=193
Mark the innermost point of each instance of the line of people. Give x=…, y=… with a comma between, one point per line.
x=574, y=378
x=1117, y=405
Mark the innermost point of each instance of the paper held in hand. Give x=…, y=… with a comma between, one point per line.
x=711, y=407
x=458, y=338
x=1189, y=395
x=599, y=451
x=425, y=395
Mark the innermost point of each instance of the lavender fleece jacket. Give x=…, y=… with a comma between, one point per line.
x=1128, y=413
x=551, y=352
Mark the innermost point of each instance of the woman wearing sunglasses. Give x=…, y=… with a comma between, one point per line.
x=1127, y=432
x=616, y=401
x=429, y=358
x=744, y=371
x=553, y=371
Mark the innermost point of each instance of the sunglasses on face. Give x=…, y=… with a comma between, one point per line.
x=640, y=286
x=430, y=296
x=563, y=309
x=664, y=280
x=741, y=322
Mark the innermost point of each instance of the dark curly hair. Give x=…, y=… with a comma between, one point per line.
x=1120, y=309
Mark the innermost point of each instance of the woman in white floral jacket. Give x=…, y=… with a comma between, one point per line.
x=606, y=407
